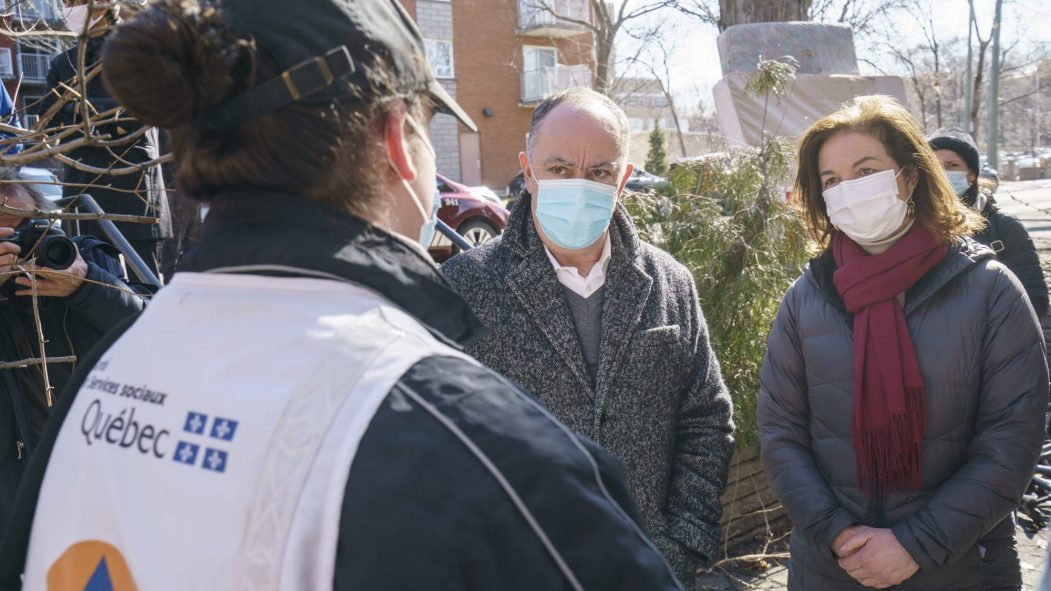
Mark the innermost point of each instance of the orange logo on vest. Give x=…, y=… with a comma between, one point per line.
x=90, y=566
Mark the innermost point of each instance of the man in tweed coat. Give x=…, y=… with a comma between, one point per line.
x=609, y=336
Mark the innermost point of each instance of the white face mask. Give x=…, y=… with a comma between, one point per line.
x=867, y=209
x=76, y=18
x=430, y=219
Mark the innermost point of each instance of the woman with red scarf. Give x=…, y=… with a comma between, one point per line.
x=903, y=394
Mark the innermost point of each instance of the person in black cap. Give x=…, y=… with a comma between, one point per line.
x=1003, y=232
x=294, y=410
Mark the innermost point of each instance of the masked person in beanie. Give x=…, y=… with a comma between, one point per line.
x=604, y=328
x=902, y=398
x=294, y=410
x=1003, y=232
x=140, y=193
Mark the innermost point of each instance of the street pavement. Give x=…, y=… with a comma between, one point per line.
x=1029, y=201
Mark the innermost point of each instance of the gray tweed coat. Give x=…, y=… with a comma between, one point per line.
x=659, y=405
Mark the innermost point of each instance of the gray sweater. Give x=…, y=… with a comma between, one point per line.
x=658, y=402
x=587, y=317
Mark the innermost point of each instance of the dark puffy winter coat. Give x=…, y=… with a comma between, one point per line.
x=72, y=326
x=1008, y=238
x=132, y=194
x=981, y=353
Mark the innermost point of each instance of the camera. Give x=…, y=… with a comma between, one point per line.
x=46, y=242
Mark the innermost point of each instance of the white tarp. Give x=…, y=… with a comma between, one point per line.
x=742, y=118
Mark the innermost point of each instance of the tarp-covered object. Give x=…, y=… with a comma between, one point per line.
x=741, y=117
x=818, y=47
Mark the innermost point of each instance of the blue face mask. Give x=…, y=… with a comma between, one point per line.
x=959, y=182
x=574, y=212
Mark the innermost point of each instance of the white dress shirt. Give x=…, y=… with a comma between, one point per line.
x=571, y=278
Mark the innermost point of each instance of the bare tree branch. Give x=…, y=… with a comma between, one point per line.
x=22, y=363
x=81, y=217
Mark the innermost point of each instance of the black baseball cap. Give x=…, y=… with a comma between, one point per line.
x=322, y=45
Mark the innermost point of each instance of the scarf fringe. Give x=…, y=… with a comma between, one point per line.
x=877, y=463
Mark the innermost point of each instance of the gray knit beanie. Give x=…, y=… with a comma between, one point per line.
x=959, y=141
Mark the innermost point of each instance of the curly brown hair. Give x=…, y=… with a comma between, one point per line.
x=885, y=119
x=176, y=59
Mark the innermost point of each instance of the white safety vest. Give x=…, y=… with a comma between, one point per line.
x=210, y=446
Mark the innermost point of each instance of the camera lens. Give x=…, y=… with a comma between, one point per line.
x=57, y=252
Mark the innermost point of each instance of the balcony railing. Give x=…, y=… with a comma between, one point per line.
x=542, y=17
x=34, y=66
x=7, y=66
x=33, y=9
x=542, y=83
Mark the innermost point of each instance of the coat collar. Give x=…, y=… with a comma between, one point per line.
x=535, y=285
x=273, y=231
x=963, y=254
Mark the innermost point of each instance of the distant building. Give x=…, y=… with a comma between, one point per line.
x=499, y=58
x=646, y=104
x=25, y=60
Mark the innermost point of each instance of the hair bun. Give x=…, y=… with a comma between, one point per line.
x=172, y=60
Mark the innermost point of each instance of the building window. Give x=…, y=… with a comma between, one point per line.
x=440, y=54
x=538, y=58
x=27, y=113
x=34, y=64
x=7, y=67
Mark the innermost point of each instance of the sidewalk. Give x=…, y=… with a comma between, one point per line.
x=1031, y=202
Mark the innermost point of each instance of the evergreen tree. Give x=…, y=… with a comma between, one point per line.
x=657, y=158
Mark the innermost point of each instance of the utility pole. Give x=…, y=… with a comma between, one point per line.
x=968, y=82
x=1036, y=115
x=994, y=92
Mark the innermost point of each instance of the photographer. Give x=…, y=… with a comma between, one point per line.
x=77, y=306
x=141, y=193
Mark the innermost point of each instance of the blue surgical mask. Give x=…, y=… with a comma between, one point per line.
x=574, y=213
x=958, y=180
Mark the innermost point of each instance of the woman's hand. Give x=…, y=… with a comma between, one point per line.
x=875, y=559
x=841, y=539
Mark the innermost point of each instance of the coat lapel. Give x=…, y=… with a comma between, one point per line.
x=535, y=286
x=627, y=291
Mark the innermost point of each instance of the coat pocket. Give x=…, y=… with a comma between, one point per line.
x=661, y=335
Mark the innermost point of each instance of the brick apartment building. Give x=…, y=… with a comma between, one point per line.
x=499, y=58
x=24, y=61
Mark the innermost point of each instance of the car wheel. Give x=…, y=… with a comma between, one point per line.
x=476, y=232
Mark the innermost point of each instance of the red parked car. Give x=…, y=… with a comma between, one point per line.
x=475, y=213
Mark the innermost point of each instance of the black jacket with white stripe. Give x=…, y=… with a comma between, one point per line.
x=462, y=481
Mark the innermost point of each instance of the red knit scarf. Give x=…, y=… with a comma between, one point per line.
x=890, y=414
